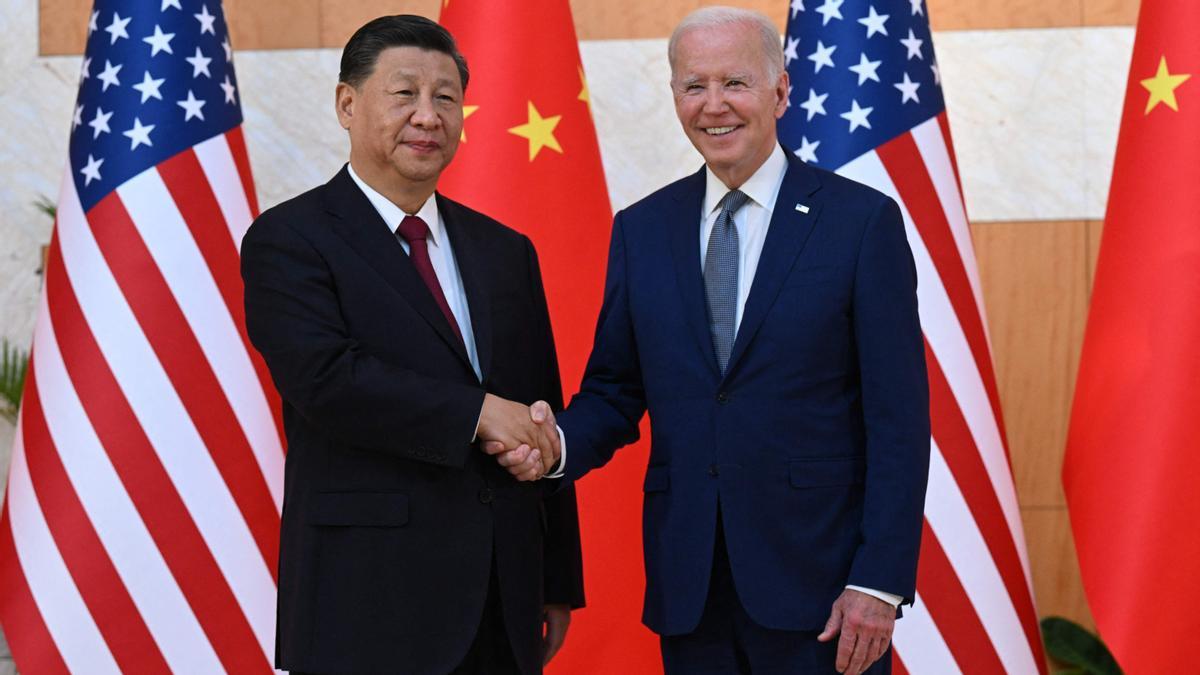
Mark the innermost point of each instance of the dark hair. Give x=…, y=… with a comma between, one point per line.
x=402, y=30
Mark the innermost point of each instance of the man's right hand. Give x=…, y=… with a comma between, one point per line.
x=525, y=444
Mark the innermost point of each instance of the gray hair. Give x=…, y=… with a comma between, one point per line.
x=720, y=16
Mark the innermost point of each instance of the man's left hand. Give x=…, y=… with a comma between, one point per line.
x=865, y=623
x=557, y=618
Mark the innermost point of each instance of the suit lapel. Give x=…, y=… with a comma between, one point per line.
x=366, y=233
x=470, y=254
x=685, y=251
x=786, y=235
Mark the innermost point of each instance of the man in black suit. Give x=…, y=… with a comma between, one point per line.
x=402, y=329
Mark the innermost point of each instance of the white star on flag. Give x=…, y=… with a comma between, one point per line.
x=874, y=22
x=199, y=63
x=117, y=28
x=815, y=105
x=822, y=57
x=937, y=74
x=92, y=27
x=866, y=69
x=91, y=171
x=149, y=87
x=857, y=116
x=228, y=49
x=159, y=42
x=85, y=69
x=170, y=3
x=913, y=44
x=808, y=150
x=830, y=10
x=797, y=7
x=191, y=107
x=908, y=90
x=916, y=7
x=139, y=134
x=206, y=20
x=78, y=118
x=789, y=52
x=99, y=123
x=230, y=91
x=109, y=76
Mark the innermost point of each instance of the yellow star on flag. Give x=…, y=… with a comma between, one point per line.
x=468, y=110
x=539, y=131
x=583, y=93
x=1162, y=87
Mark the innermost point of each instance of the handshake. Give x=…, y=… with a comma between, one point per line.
x=523, y=439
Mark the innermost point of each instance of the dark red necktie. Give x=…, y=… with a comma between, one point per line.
x=414, y=230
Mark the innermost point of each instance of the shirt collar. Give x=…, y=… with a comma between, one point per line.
x=392, y=214
x=762, y=187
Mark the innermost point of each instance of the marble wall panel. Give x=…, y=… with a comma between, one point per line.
x=1034, y=118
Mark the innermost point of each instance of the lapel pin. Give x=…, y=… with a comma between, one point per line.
x=802, y=208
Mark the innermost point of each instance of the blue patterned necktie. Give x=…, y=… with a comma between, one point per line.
x=721, y=276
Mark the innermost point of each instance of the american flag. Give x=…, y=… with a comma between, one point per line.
x=866, y=102
x=140, y=525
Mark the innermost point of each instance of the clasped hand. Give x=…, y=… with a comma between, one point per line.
x=523, y=439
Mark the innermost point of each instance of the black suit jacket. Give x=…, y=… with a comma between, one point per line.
x=391, y=514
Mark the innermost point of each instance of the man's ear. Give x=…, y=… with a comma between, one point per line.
x=344, y=103
x=781, y=92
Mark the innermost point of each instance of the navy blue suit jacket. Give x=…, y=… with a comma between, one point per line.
x=815, y=442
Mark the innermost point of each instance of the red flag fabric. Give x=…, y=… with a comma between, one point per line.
x=1132, y=453
x=531, y=160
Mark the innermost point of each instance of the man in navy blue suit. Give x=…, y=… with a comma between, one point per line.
x=764, y=313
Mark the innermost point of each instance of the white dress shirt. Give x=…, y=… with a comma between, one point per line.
x=752, y=222
x=445, y=266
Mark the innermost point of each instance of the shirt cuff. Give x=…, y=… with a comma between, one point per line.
x=561, y=467
x=893, y=600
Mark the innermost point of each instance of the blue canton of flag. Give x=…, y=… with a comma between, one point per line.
x=157, y=78
x=861, y=74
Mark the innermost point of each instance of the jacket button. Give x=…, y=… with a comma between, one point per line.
x=486, y=495
x=722, y=398
x=713, y=470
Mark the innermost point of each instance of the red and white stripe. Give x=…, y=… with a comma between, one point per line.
x=975, y=611
x=140, y=532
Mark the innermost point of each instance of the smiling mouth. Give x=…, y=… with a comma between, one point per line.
x=718, y=131
x=423, y=146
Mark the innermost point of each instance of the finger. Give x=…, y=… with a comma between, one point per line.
x=532, y=468
x=493, y=447
x=540, y=412
x=556, y=634
x=514, y=457
x=878, y=648
x=858, y=659
x=845, y=651
x=832, y=626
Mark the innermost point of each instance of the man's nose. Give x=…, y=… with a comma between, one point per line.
x=714, y=100
x=425, y=115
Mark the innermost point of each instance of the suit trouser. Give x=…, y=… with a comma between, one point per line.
x=727, y=641
x=490, y=652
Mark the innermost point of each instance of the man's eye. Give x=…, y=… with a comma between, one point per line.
x=735, y=83
x=403, y=92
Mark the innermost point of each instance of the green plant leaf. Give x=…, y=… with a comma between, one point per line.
x=13, y=366
x=1070, y=644
x=46, y=206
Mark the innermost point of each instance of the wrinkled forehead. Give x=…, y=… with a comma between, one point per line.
x=409, y=64
x=717, y=52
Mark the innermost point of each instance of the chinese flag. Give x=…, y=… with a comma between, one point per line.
x=1133, y=453
x=530, y=159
